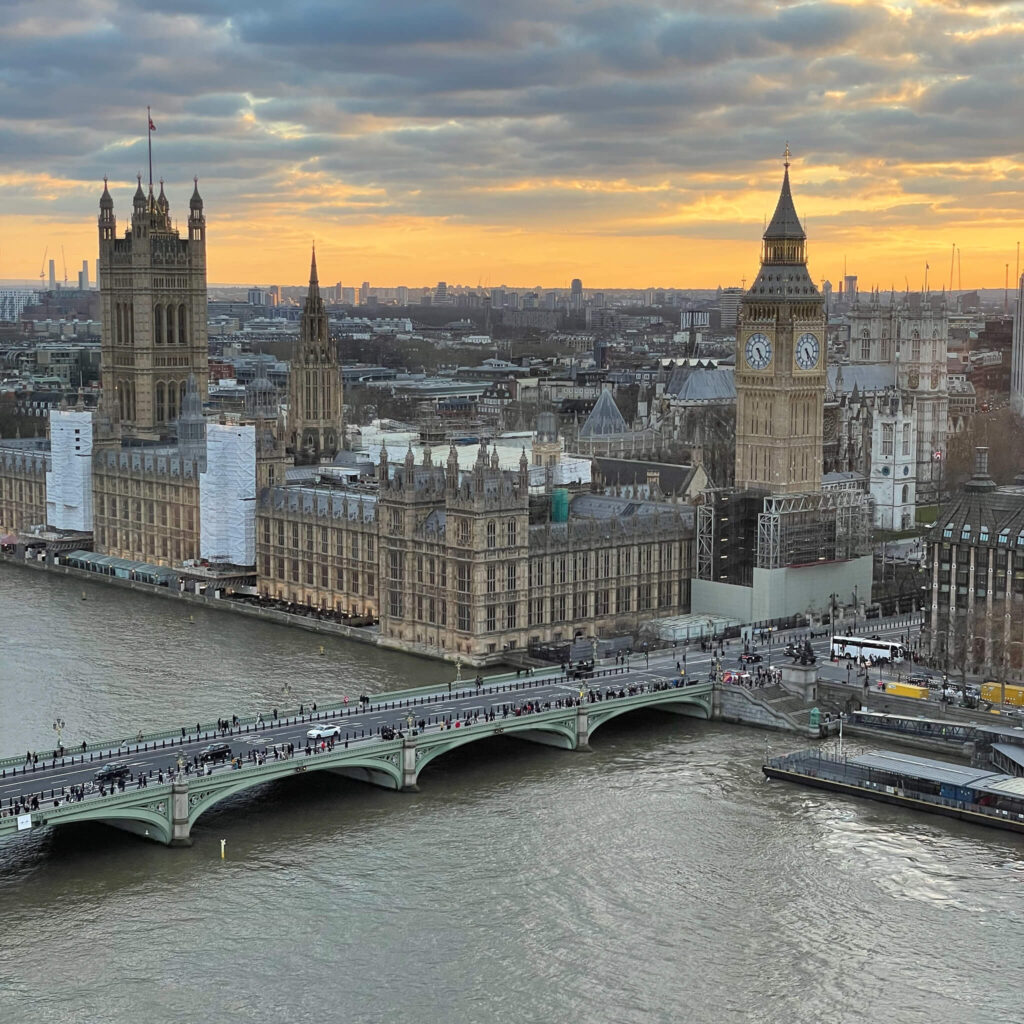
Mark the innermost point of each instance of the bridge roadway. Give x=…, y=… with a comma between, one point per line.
x=165, y=809
x=168, y=789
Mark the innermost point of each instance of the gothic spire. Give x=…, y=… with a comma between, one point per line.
x=785, y=224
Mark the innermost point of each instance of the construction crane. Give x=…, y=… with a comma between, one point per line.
x=42, y=269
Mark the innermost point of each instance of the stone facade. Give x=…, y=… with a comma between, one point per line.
x=146, y=505
x=23, y=466
x=153, y=301
x=458, y=561
x=780, y=365
x=976, y=569
x=910, y=337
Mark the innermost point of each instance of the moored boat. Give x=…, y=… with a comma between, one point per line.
x=977, y=795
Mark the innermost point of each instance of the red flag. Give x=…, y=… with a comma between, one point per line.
x=152, y=127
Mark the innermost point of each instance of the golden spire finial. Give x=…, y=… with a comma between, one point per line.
x=786, y=157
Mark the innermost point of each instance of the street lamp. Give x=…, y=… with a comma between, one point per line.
x=59, y=726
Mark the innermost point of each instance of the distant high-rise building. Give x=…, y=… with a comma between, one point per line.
x=576, y=294
x=598, y=299
x=1017, y=356
x=85, y=275
x=154, y=322
x=729, y=305
x=850, y=283
x=258, y=297
x=274, y=291
x=402, y=295
x=364, y=293
x=441, y=292
x=53, y=276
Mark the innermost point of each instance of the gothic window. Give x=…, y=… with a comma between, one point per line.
x=491, y=579
x=492, y=531
x=906, y=494
x=865, y=344
x=161, y=403
x=395, y=560
x=182, y=388
x=172, y=401
x=511, y=533
x=510, y=576
x=883, y=353
x=462, y=579
x=888, y=431
x=510, y=616
x=169, y=313
x=463, y=532
x=182, y=326
x=492, y=618
x=463, y=612
x=158, y=324
x=906, y=438
x=915, y=347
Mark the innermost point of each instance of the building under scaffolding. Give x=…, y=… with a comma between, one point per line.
x=768, y=556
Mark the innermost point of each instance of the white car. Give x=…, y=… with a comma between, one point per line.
x=324, y=732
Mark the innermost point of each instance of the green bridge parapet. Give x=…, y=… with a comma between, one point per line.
x=166, y=812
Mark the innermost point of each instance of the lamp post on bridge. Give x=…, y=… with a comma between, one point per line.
x=59, y=726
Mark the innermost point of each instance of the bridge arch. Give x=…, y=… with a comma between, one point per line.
x=555, y=734
x=697, y=706
x=202, y=798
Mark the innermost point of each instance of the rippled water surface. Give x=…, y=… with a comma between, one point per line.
x=658, y=878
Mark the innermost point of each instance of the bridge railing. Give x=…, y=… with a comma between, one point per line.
x=275, y=767
x=400, y=700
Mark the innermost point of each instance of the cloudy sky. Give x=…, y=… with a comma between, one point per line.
x=628, y=143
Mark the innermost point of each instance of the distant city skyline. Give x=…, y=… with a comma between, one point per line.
x=640, y=146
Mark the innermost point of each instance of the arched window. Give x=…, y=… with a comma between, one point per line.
x=865, y=344
x=182, y=326
x=181, y=395
x=161, y=402
x=491, y=533
x=906, y=493
x=172, y=401
x=158, y=324
x=120, y=401
x=169, y=315
x=915, y=347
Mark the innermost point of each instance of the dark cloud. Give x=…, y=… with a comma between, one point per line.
x=366, y=109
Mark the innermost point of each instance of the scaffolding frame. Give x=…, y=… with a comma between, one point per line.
x=824, y=521
x=706, y=537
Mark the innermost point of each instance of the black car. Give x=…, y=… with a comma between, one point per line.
x=113, y=772
x=750, y=659
x=215, y=752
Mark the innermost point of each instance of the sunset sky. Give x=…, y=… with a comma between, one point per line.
x=523, y=142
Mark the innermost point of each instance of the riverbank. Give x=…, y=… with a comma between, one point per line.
x=358, y=634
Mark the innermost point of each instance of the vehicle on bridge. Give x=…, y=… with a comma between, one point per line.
x=750, y=658
x=864, y=648
x=113, y=772
x=324, y=732
x=215, y=752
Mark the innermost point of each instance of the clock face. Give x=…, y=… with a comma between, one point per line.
x=807, y=351
x=758, y=351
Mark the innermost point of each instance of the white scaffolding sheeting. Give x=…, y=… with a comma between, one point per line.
x=227, y=495
x=69, y=479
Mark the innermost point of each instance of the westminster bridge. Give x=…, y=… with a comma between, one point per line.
x=387, y=740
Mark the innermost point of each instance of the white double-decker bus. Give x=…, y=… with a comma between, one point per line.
x=864, y=648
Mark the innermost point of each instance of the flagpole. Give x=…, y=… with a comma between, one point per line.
x=149, y=142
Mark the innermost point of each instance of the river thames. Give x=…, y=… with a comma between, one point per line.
x=658, y=878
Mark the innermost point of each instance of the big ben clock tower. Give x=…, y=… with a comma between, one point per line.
x=780, y=364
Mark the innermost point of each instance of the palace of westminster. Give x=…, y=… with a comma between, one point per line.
x=464, y=560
